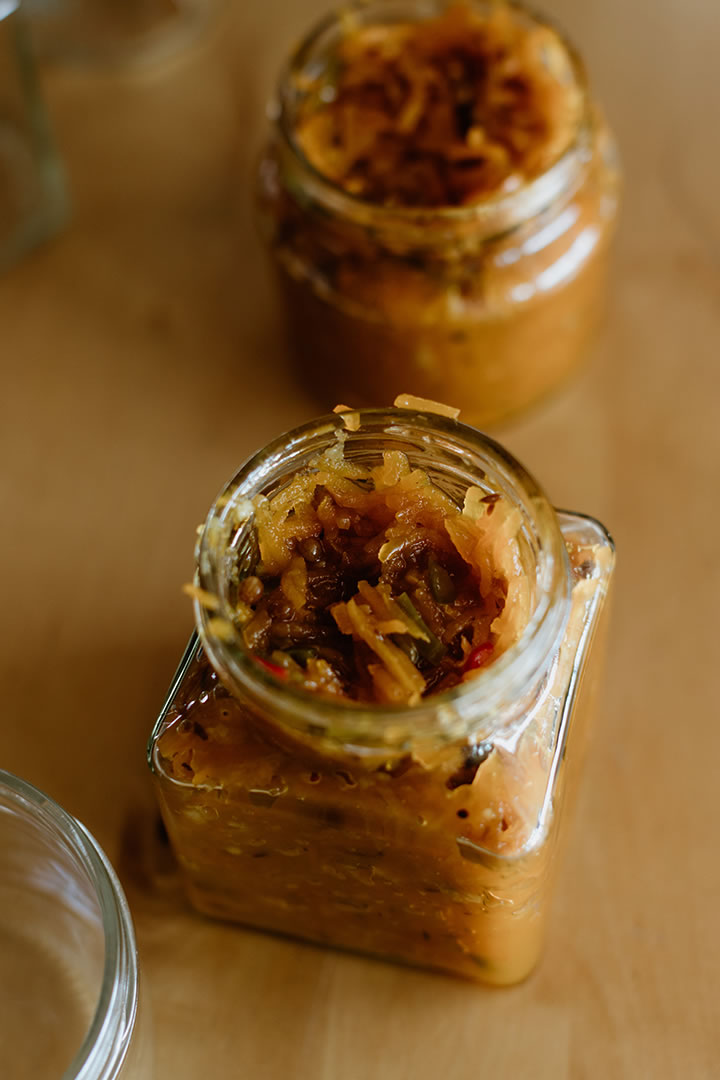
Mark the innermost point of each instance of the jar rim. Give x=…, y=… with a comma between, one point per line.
x=107, y=1039
x=445, y=713
x=493, y=214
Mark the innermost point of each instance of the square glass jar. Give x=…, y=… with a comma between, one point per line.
x=423, y=833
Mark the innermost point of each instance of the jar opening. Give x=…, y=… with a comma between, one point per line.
x=455, y=457
x=496, y=213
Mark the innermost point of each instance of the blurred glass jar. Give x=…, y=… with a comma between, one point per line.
x=72, y=1006
x=423, y=833
x=33, y=202
x=112, y=33
x=488, y=306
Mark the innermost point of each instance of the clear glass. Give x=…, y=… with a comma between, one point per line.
x=33, y=203
x=487, y=306
x=422, y=833
x=72, y=1007
x=116, y=32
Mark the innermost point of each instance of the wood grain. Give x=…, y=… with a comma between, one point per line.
x=141, y=364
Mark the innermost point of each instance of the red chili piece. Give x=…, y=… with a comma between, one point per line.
x=478, y=656
x=274, y=669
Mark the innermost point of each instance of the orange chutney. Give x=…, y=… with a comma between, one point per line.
x=438, y=194
x=369, y=744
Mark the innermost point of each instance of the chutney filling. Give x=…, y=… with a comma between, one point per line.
x=372, y=584
x=443, y=111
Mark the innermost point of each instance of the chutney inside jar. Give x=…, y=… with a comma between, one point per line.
x=442, y=111
x=372, y=585
x=340, y=764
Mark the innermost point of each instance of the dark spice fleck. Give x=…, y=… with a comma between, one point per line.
x=474, y=757
x=463, y=117
x=490, y=501
x=463, y=813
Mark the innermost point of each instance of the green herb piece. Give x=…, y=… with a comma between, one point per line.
x=432, y=649
x=441, y=584
x=302, y=655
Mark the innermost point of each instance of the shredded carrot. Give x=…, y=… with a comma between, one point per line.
x=409, y=401
x=206, y=599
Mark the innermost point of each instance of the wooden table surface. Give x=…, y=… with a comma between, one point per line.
x=141, y=365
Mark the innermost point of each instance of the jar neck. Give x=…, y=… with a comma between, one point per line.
x=417, y=229
x=455, y=457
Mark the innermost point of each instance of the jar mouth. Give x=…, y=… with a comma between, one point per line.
x=492, y=215
x=106, y=1042
x=468, y=457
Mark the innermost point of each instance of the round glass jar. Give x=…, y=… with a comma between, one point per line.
x=72, y=1004
x=488, y=306
x=422, y=833
x=33, y=195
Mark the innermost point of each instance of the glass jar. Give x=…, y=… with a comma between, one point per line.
x=117, y=35
x=33, y=197
x=72, y=1006
x=422, y=833
x=488, y=306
